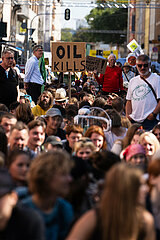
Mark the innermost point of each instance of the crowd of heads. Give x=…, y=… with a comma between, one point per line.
x=44, y=150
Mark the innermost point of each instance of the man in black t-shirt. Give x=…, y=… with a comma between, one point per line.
x=8, y=79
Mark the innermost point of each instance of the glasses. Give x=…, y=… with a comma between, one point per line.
x=8, y=58
x=144, y=65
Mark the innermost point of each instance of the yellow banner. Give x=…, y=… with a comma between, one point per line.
x=105, y=53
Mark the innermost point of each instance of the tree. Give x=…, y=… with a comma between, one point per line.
x=108, y=19
x=66, y=35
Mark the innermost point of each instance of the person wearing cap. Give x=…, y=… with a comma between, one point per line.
x=33, y=79
x=127, y=74
x=54, y=120
x=52, y=143
x=60, y=97
x=112, y=80
x=17, y=221
x=134, y=155
x=44, y=103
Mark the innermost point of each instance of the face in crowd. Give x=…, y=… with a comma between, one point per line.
x=73, y=137
x=38, y=53
x=7, y=123
x=143, y=67
x=112, y=60
x=19, y=167
x=7, y=60
x=97, y=139
x=18, y=139
x=36, y=137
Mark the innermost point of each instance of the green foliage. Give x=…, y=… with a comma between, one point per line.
x=80, y=36
x=66, y=36
x=108, y=19
x=101, y=19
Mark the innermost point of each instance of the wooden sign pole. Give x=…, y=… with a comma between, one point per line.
x=69, y=85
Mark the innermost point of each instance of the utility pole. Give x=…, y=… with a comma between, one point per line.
x=147, y=27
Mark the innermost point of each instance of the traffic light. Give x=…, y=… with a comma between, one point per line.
x=67, y=14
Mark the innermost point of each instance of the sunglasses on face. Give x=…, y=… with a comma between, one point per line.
x=8, y=58
x=144, y=65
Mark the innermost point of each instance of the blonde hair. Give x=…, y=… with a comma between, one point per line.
x=84, y=142
x=152, y=139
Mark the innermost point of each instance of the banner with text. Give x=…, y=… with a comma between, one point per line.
x=95, y=63
x=68, y=56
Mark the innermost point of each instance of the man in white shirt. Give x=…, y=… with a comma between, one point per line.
x=33, y=79
x=142, y=106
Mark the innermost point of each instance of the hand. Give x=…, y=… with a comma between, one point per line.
x=26, y=85
x=95, y=72
x=150, y=117
x=130, y=119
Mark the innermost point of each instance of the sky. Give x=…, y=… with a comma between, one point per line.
x=80, y=9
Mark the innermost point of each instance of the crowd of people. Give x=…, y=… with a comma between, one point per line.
x=85, y=167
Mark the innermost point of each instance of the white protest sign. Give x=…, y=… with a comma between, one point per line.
x=135, y=48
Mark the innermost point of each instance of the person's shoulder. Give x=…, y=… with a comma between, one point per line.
x=27, y=212
x=64, y=203
x=134, y=79
x=31, y=59
x=155, y=76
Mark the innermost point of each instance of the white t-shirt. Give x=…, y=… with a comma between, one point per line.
x=141, y=96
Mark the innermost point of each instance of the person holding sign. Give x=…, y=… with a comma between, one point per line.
x=112, y=81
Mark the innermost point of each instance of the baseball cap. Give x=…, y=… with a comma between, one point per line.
x=55, y=141
x=52, y=112
x=6, y=183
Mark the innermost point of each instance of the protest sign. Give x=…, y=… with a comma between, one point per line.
x=95, y=63
x=68, y=56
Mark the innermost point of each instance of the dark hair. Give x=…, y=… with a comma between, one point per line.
x=3, y=141
x=36, y=123
x=73, y=128
x=115, y=117
x=14, y=105
x=99, y=102
x=156, y=127
x=6, y=115
x=117, y=104
x=24, y=113
x=3, y=108
x=104, y=160
x=143, y=58
x=12, y=155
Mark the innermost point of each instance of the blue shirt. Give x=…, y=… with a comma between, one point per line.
x=32, y=72
x=58, y=221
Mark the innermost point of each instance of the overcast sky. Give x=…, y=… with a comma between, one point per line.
x=78, y=12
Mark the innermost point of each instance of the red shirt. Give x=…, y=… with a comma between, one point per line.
x=112, y=80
